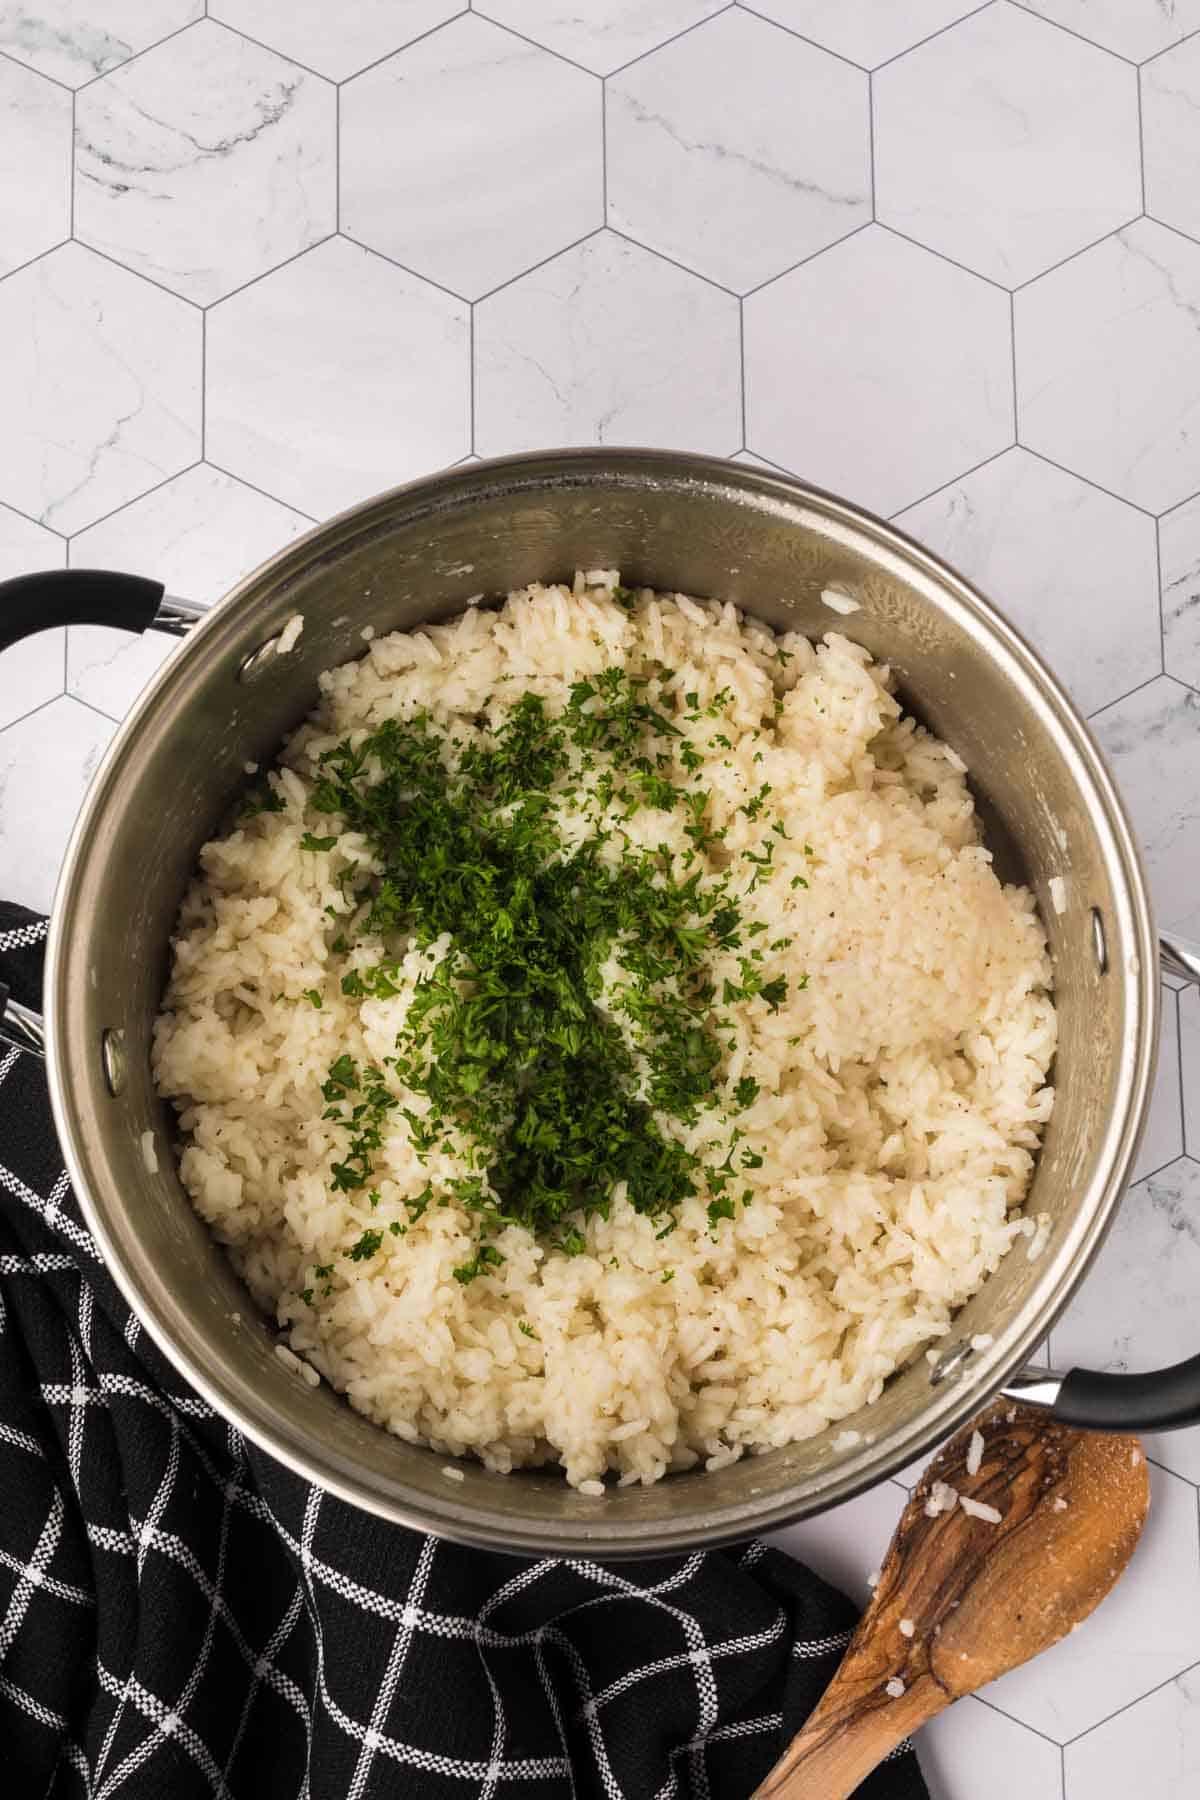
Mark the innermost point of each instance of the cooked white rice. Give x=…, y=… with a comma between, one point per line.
x=902, y=1091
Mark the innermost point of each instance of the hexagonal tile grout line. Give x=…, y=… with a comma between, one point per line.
x=397, y=48
x=1128, y=695
x=1069, y=31
x=1087, y=479
x=944, y=486
x=28, y=68
x=627, y=237
x=1187, y=686
x=1175, y=231
x=405, y=268
x=1137, y=1701
x=523, y=37
x=138, y=274
x=742, y=364
x=686, y=31
x=1013, y=1720
x=471, y=375
x=1183, y=1105
x=29, y=261
x=1141, y=139
x=758, y=287
x=1115, y=231
x=916, y=243
x=112, y=512
x=743, y=6
x=42, y=704
x=1162, y=618
x=145, y=50
x=32, y=518
x=91, y=707
x=208, y=463
x=604, y=147
x=539, y=264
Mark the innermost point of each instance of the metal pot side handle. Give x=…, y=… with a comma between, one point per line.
x=33, y=603
x=1093, y=1400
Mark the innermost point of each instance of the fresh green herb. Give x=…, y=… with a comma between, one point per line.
x=309, y=842
x=486, y=1257
x=668, y=1275
x=524, y=1326
x=366, y=1246
x=264, y=800
x=513, y=1064
x=313, y=996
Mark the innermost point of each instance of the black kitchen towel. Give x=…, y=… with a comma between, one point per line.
x=181, y=1616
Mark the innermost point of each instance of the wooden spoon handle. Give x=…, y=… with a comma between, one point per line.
x=842, y=1741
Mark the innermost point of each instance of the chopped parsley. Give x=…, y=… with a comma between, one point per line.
x=366, y=1246
x=548, y=1100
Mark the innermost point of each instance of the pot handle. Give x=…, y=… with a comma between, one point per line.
x=39, y=602
x=32, y=603
x=1094, y=1400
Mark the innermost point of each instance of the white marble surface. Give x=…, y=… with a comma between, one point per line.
x=900, y=247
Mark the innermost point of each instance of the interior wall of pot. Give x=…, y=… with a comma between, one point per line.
x=421, y=556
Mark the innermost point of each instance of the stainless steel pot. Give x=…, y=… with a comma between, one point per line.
x=419, y=553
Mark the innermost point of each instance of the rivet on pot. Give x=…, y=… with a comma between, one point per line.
x=112, y=1057
x=951, y=1363
x=253, y=665
x=1099, y=941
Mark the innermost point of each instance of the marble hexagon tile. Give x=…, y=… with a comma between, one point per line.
x=878, y=370
x=1189, y=1060
x=1114, y=1757
x=335, y=37
x=1108, y=365
x=1006, y=144
x=602, y=35
x=1171, y=136
x=47, y=760
x=33, y=670
x=1179, y=548
x=335, y=377
x=1055, y=553
x=76, y=40
x=1137, y=1309
x=868, y=32
x=1134, y=28
x=35, y=129
x=1152, y=741
x=100, y=387
x=607, y=344
x=738, y=150
x=198, y=535
x=518, y=172
x=205, y=162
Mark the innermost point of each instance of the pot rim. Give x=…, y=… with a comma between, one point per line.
x=952, y=1402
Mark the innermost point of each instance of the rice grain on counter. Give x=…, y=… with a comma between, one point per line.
x=889, y=1096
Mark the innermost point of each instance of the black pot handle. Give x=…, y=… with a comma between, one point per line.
x=1163, y=1400
x=31, y=603
x=1096, y=1400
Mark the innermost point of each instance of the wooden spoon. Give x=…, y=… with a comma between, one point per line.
x=960, y=1599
